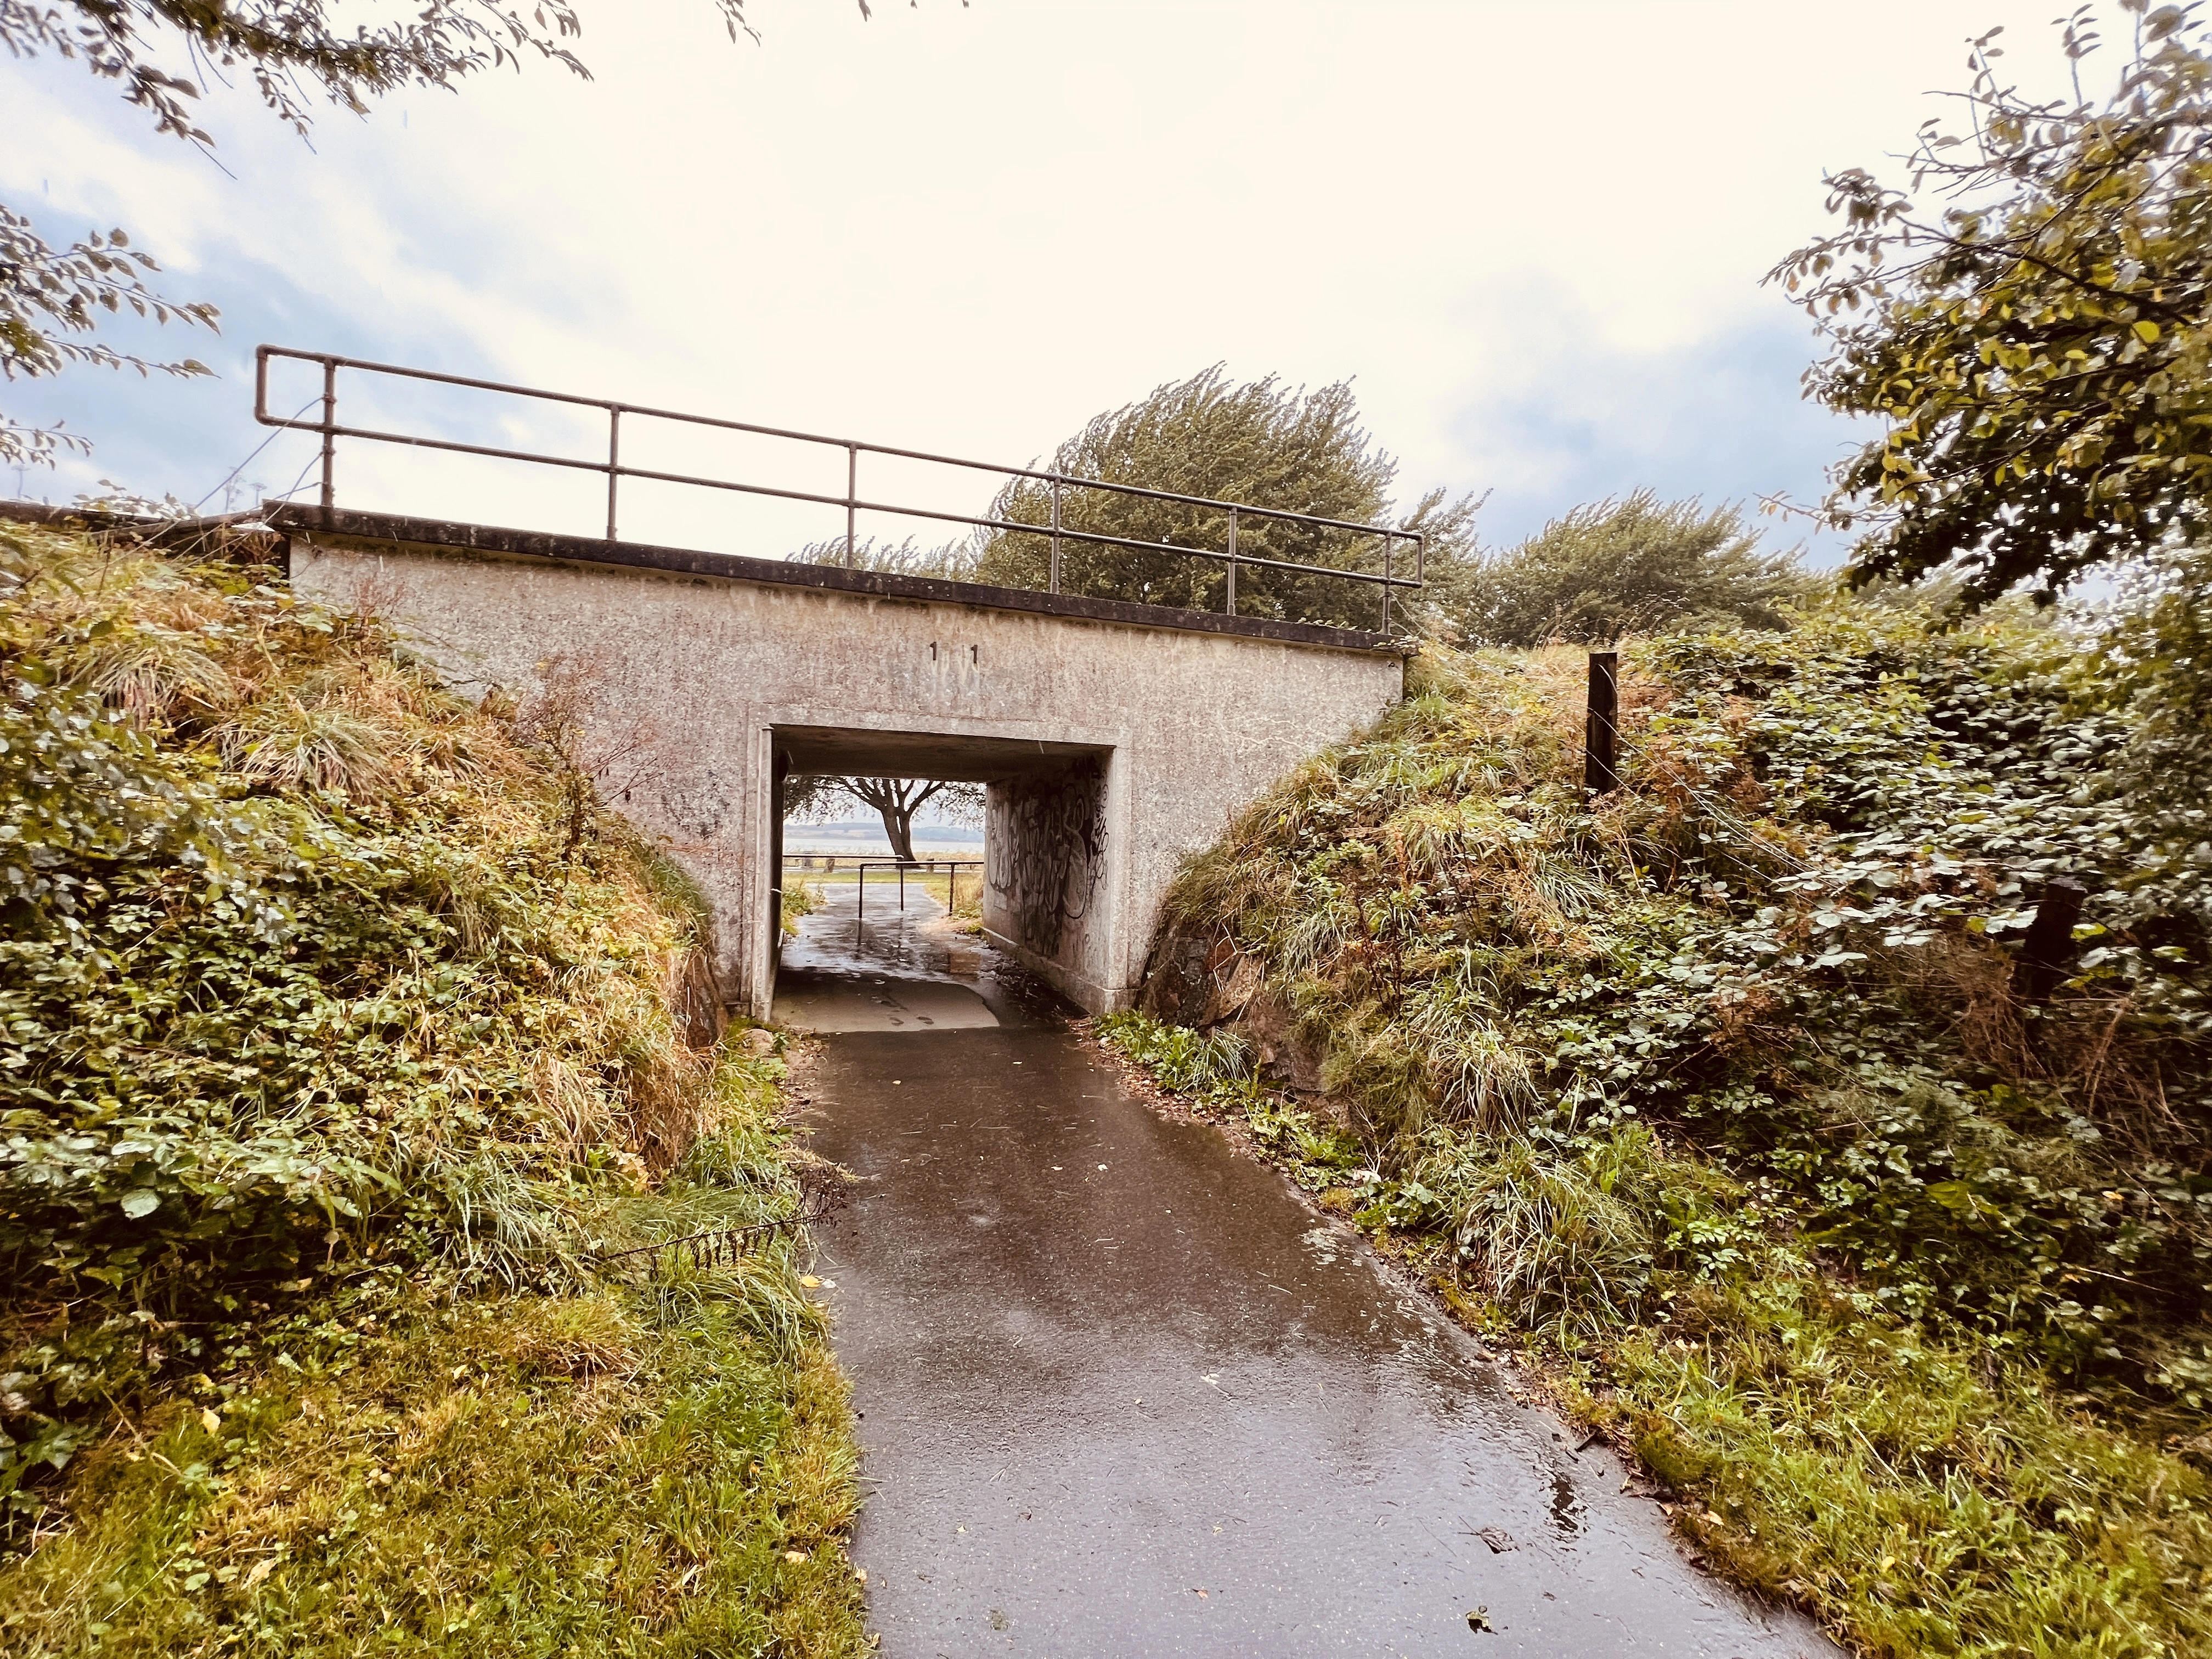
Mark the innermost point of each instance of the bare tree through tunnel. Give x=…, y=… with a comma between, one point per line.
x=895, y=800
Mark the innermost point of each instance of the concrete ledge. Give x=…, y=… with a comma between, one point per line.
x=309, y=522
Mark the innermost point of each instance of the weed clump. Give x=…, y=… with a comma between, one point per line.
x=1723, y=1091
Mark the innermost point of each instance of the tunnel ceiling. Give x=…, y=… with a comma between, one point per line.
x=852, y=753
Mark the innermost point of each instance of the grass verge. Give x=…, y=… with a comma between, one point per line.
x=659, y=1463
x=1920, y=1495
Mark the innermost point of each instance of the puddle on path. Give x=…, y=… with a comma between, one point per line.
x=1123, y=1395
x=893, y=970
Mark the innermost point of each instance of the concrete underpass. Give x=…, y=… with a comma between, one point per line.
x=1115, y=738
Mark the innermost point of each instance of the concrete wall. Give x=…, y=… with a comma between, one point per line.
x=1145, y=738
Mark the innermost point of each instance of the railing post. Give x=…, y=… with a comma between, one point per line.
x=1601, y=725
x=614, y=462
x=1233, y=561
x=1389, y=545
x=330, y=437
x=1054, y=584
x=852, y=500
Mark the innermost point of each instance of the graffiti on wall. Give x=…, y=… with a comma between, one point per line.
x=1047, y=847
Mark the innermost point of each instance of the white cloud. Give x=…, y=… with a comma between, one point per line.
x=1533, y=232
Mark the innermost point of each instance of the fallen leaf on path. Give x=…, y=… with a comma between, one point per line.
x=1480, y=1619
x=1497, y=1538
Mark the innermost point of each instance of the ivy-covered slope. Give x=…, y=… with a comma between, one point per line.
x=339, y=1055
x=1721, y=1092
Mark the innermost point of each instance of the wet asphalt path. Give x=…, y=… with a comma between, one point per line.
x=1123, y=1394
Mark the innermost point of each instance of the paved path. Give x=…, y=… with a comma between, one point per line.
x=1123, y=1394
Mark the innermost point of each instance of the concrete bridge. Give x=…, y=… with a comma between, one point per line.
x=1114, y=739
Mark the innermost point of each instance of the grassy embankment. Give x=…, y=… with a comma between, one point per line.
x=1717, y=1098
x=342, y=1057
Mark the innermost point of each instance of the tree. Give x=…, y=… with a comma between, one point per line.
x=1261, y=443
x=1624, y=567
x=2040, y=351
x=160, y=52
x=895, y=800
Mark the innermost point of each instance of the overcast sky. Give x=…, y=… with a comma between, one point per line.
x=1532, y=234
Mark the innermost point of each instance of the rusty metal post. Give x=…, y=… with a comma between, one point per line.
x=851, y=499
x=1052, y=585
x=614, y=462
x=330, y=437
x=1233, y=561
x=2048, y=951
x=1601, y=725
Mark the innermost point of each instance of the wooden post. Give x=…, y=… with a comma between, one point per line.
x=1601, y=725
x=2048, y=950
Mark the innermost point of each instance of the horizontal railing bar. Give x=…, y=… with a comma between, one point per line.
x=718, y=422
x=455, y=447
x=1102, y=540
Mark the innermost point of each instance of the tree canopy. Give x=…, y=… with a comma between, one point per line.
x=1614, y=568
x=1260, y=442
x=2040, y=349
x=160, y=52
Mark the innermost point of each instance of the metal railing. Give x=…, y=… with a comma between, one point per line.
x=927, y=866
x=1057, y=485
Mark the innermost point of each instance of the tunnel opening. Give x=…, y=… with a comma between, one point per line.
x=1049, y=840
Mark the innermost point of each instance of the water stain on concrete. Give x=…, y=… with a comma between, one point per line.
x=1124, y=1394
